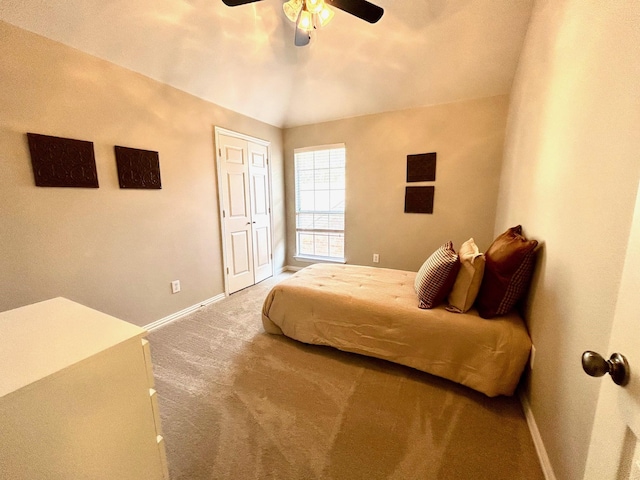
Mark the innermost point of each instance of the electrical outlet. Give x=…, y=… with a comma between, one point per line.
x=175, y=286
x=532, y=356
x=376, y=258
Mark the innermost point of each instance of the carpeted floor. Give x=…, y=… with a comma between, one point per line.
x=238, y=403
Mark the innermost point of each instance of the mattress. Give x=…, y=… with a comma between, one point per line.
x=374, y=311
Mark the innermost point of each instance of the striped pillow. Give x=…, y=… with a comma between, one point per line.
x=436, y=276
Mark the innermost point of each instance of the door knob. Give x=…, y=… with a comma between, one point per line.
x=596, y=366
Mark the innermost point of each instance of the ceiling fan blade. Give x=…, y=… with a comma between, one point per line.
x=302, y=37
x=360, y=8
x=235, y=3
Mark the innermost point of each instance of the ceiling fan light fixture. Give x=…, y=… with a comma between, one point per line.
x=314, y=6
x=325, y=15
x=292, y=9
x=305, y=20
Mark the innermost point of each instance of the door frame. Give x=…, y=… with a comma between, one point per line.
x=230, y=133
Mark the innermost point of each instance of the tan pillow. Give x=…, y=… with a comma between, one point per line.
x=436, y=276
x=510, y=261
x=465, y=289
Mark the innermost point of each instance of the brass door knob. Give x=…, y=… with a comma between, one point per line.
x=596, y=366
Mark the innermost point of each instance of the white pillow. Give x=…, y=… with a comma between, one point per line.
x=467, y=284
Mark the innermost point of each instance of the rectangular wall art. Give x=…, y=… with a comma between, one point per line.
x=138, y=168
x=62, y=162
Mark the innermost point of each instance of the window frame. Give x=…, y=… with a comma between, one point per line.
x=298, y=211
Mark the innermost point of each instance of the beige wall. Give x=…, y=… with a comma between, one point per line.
x=570, y=177
x=468, y=138
x=113, y=250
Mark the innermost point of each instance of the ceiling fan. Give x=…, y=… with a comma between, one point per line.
x=311, y=14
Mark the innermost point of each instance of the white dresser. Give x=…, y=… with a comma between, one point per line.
x=76, y=397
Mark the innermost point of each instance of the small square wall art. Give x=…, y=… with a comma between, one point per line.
x=421, y=167
x=419, y=199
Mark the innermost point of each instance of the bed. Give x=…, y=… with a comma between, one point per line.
x=374, y=311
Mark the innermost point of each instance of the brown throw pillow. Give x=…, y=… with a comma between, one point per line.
x=507, y=273
x=436, y=276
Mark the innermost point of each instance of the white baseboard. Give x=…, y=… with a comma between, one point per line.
x=547, y=470
x=175, y=316
x=291, y=268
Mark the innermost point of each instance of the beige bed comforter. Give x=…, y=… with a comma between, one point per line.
x=374, y=311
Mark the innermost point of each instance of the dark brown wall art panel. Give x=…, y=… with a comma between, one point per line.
x=421, y=167
x=419, y=199
x=138, y=168
x=62, y=162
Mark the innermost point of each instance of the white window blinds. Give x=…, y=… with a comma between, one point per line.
x=320, y=194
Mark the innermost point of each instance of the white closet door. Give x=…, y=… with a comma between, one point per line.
x=246, y=210
x=236, y=202
x=260, y=212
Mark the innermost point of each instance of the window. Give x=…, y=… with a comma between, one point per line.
x=320, y=202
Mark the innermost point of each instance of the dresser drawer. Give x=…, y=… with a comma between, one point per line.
x=146, y=349
x=163, y=456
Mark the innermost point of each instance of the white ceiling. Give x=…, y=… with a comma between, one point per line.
x=422, y=52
